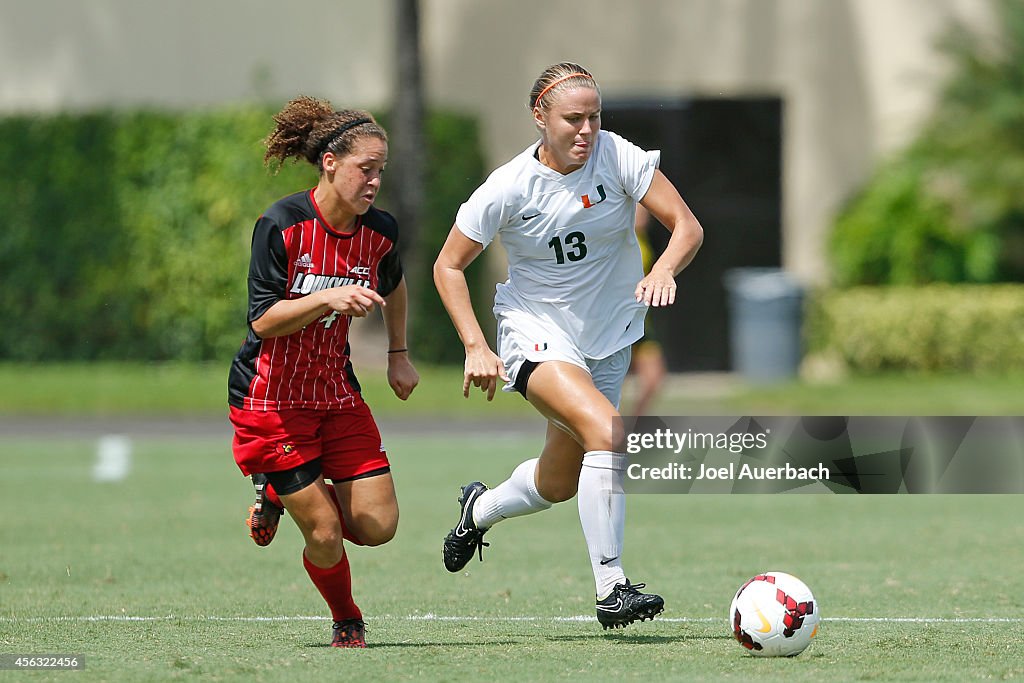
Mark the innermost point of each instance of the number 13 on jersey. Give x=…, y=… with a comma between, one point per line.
x=574, y=249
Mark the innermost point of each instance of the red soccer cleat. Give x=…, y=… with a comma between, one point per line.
x=349, y=633
x=264, y=516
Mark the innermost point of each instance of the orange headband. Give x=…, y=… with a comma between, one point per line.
x=556, y=82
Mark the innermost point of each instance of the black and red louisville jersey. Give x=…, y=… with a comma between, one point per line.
x=296, y=252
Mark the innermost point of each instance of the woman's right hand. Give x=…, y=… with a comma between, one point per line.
x=354, y=300
x=483, y=369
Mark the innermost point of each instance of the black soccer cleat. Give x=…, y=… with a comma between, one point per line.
x=462, y=541
x=349, y=633
x=264, y=516
x=625, y=604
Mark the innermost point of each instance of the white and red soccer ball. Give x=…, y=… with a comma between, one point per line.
x=774, y=615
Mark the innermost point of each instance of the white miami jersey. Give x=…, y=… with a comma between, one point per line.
x=573, y=257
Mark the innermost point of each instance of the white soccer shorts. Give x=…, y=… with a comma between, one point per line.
x=523, y=337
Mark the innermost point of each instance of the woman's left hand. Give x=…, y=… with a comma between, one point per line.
x=658, y=288
x=402, y=376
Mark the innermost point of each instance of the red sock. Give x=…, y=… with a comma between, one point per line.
x=346, y=533
x=335, y=584
x=271, y=495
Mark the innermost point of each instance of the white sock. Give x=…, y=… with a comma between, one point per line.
x=515, y=497
x=602, y=505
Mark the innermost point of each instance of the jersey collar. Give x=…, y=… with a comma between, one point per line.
x=328, y=228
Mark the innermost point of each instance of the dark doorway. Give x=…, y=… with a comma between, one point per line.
x=725, y=156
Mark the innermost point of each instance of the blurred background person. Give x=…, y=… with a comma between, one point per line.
x=647, y=367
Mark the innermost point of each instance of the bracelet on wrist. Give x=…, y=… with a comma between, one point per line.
x=398, y=350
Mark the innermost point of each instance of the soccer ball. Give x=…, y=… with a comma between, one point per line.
x=774, y=615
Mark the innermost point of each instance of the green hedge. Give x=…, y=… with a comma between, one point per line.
x=128, y=233
x=898, y=231
x=949, y=208
x=455, y=167
x=965, y=328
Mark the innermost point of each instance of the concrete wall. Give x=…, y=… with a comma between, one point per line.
x=857, y=75
x=84, y=54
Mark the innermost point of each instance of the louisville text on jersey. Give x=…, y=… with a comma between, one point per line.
x=307, y=283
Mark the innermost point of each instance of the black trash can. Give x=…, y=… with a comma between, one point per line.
x=765, y=316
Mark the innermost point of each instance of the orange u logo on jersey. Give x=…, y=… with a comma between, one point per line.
x=586, y=198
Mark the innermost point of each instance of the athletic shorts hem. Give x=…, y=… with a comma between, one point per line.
x=346, y=442
x=365, y=475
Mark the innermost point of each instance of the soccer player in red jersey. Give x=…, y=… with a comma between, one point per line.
x=319, y=258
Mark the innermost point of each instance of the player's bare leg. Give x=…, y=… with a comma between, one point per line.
x=519, y=495
x=566, y=395
x=326, y=561
x=649, y=371
x=369, y=508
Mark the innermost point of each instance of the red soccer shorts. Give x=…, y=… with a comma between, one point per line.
x=346, y=440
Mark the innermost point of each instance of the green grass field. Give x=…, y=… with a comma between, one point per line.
x=154, y=578
x=174, y=389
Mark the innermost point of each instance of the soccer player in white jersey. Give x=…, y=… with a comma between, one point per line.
x=574, y=302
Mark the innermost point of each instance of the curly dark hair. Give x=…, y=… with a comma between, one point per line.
x=308, y=127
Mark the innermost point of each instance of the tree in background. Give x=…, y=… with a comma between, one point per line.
x=950, y=207
x=425, y=217
x=407, y=137
x=138, y=257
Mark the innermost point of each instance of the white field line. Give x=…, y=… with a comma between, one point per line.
x=443, y=618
